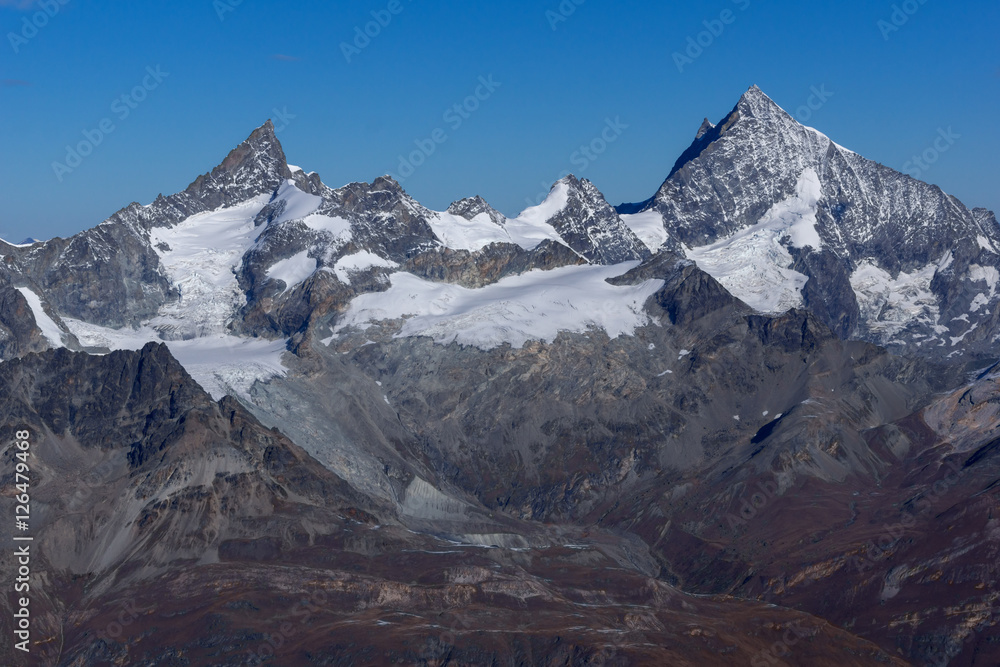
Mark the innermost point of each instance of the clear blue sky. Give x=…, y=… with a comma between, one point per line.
x=352, y=120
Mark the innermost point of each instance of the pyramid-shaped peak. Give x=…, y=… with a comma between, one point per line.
x=756, y=104
x=261, y=148
x=257, y=166
x=264, y=132
x=575, y=183
x=582, y=188
x=588, y=224
x=755, y=93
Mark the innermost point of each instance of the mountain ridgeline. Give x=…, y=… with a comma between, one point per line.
x=310, y=425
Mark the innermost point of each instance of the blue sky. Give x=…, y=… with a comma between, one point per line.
x=559, y=73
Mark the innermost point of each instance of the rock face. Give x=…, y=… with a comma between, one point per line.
x=110, y=275
x=675, y=427
x=19, y=333
x=591, y=227
x=885, y=258
x=471, y=207
x=166, y=524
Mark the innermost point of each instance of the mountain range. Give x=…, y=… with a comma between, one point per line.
x=749, y=419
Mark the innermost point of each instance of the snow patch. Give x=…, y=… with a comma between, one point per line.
x=890, y=305
x=649, y=227
x=955, y=340
x=537, y=305
x=293, y=270
x=222, y=364
x=988, y=274
x=530, y=228
x=978, y=302
x=298, y=204
x=199, y=257
x=48, y=326
x=359, y=261
x=339, y=228
x=457, y=233
x=797, y=214
x=753, y=264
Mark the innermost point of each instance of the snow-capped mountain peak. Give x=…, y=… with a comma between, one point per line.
x=754, y=103
x=584, y=220
x=257, y=166
x=773, y=210
x=724, y=192
x=472, y=207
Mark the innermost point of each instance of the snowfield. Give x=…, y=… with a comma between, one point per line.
x=293, y=271
x=359, y=261
x=527, y=230
x=537, y=305
x=648, y=226
x=457, y=233
x=753, y=263
x=222, y=364
x=530, y=228
x=889, y=304
x=199, y=256
x=298, y=204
